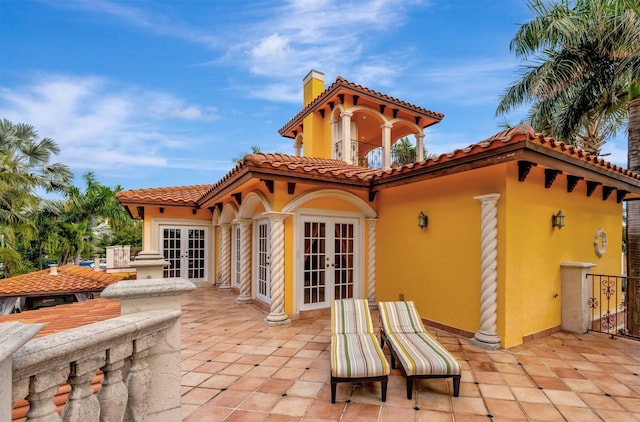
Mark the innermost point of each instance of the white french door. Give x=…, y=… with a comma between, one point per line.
x=330, y=260
x=185, y=249
x=262, y=273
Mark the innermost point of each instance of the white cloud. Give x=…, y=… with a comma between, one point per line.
x=100, y=125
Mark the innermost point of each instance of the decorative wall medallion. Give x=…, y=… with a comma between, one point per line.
x=600, y=242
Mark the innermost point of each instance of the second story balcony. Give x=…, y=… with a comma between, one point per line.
x=373, y=156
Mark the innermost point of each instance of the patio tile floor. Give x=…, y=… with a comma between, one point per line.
x=237, y=368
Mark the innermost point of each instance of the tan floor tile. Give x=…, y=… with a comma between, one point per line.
x=391, y=413
x=505, y=408
x=518, y=380
x=212, y=367
x=496, y=392
x=260, y=402
x=276, y=386
x=552, y=383
x=433, y=416
x=219, y=381
x=199, y=395
x=616, y=416
x=317, y=375
x=281, y=418
x=629, y=404
x=288, y=373
x=531, y=395
x=578, y=414
x=489, y=377
x=357, y=412
x=469, y=405
x=564, y=398
x=321, y=409
x=245, y=416
x=305, y=389
x=599, y=401
x=247, y=383
x=275, y=361
x=542, y=412
x=582, y=386
x=292, y=406
x=193, y=379
x=208, y=414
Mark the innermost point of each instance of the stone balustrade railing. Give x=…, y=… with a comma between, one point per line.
x=138, y=354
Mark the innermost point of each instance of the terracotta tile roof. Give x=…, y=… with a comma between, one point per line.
x=519, y=134
x=522, y=136
x=343, y=84
x=179, y=195
x=65, y=317
x=70, y=278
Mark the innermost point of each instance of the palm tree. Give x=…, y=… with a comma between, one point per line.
x=583, y=85
x=579, y=78
x=24, y=168
x=89, y=217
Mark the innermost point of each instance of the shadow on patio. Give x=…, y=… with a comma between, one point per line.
x=236, y=368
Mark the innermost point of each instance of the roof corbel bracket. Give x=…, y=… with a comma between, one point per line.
x=591, y=187
x=331, y=105
x=606, y=192
x=418, y=120
x=341, y=96
x=550, y=177
x=140, y=212
x=382, y=108
x=295, y=132
x=524, y=167
x=212, y=209
x=218, y=205
x=238, y=197
x=572, y=182
x=291, y=188
x=620, y=195
x=372, y=195
x=355, y=100
x=395, y=113
x=321, y=111
x=268, y=184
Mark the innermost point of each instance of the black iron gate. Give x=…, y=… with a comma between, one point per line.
x=608, y=303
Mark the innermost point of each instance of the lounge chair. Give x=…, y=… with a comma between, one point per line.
x=356, y=355
x=420, y=355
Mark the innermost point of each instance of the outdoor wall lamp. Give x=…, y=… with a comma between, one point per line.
x=423, y=220
x=557, y=220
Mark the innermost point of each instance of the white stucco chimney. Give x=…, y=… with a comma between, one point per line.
x=53, y=269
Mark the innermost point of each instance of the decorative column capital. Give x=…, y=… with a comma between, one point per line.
x=242, y=221
x=275, y=215
x=346, y=113
x=488, y=198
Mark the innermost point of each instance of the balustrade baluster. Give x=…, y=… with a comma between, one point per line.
x=42, y=388
x=138, y=380
x=83, y=405
x=114, y=394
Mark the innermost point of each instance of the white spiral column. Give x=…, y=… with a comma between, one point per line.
x=276, y=315
x=371, y=268
x=245, y=261
x=488, y=337
x=225, y=257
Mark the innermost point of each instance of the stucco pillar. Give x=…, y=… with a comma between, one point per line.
x=225, y=257
x=488, y=337
x=245, y=261
x=346, y=136
x=371, y=257
x=163, y=355
x=386, y=145
x=14, y=335
x=276, y=315
x=419, y=146
x=149, y=264
x=575, y=295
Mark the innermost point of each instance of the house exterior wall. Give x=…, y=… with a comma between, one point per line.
x=439, y=267
x=532, y=292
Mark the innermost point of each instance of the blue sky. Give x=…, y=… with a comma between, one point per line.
x=167, y=93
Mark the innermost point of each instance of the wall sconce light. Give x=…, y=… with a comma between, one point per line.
x=557, y=220
x=423, y=220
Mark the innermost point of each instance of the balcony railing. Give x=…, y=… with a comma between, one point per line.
x=118, y=257
x=136, y=357
x=372, y=156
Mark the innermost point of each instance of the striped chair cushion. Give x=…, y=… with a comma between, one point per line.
x=357, y=356
x=400, y=317
x=351, y=316
x=421, y=354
